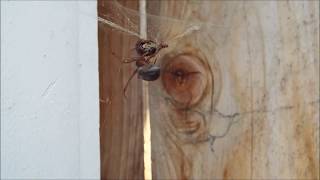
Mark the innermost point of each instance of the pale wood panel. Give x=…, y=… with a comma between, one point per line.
x=264, y=98
x=121, y=123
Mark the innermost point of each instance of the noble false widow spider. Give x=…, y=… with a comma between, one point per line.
x=147, y=70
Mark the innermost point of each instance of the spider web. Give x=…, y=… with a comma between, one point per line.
x=160, y=28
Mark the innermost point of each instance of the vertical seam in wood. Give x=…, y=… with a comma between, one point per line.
x=145, y=95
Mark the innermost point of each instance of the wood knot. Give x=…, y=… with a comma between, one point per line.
x=184, y=79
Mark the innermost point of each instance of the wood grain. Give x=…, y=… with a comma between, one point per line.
x=121, y=124
x=259, y=117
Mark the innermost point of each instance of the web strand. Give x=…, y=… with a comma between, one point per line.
x=128, y=21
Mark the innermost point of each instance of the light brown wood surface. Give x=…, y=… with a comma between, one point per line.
x=237, y=99
x=257, y=115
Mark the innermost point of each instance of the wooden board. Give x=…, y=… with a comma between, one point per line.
x=121, y=124
x=250, y=110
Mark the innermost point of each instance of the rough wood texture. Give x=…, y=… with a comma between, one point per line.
x=121, y=124
x=258, y=115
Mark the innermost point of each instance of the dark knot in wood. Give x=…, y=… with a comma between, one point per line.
x=184, y=79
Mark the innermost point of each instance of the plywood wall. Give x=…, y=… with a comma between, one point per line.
x=238, y=96
x=252, y=109
x=121, y=123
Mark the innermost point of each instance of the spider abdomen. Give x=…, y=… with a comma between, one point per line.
x=149, y=72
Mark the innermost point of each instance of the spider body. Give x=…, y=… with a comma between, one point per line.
x=148, y=47
x=147, y=70
x=141, y=62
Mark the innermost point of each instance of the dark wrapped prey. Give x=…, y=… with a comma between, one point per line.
x=149, y=72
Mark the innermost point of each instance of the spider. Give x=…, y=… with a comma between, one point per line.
x=147, y=70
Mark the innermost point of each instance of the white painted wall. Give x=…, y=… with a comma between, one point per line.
x=49, y=90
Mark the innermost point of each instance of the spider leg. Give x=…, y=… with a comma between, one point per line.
x=132, y=49
x=130, y=60
x=126, y=86
x=127, y=60
x=148, y=58
x=155, y=59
